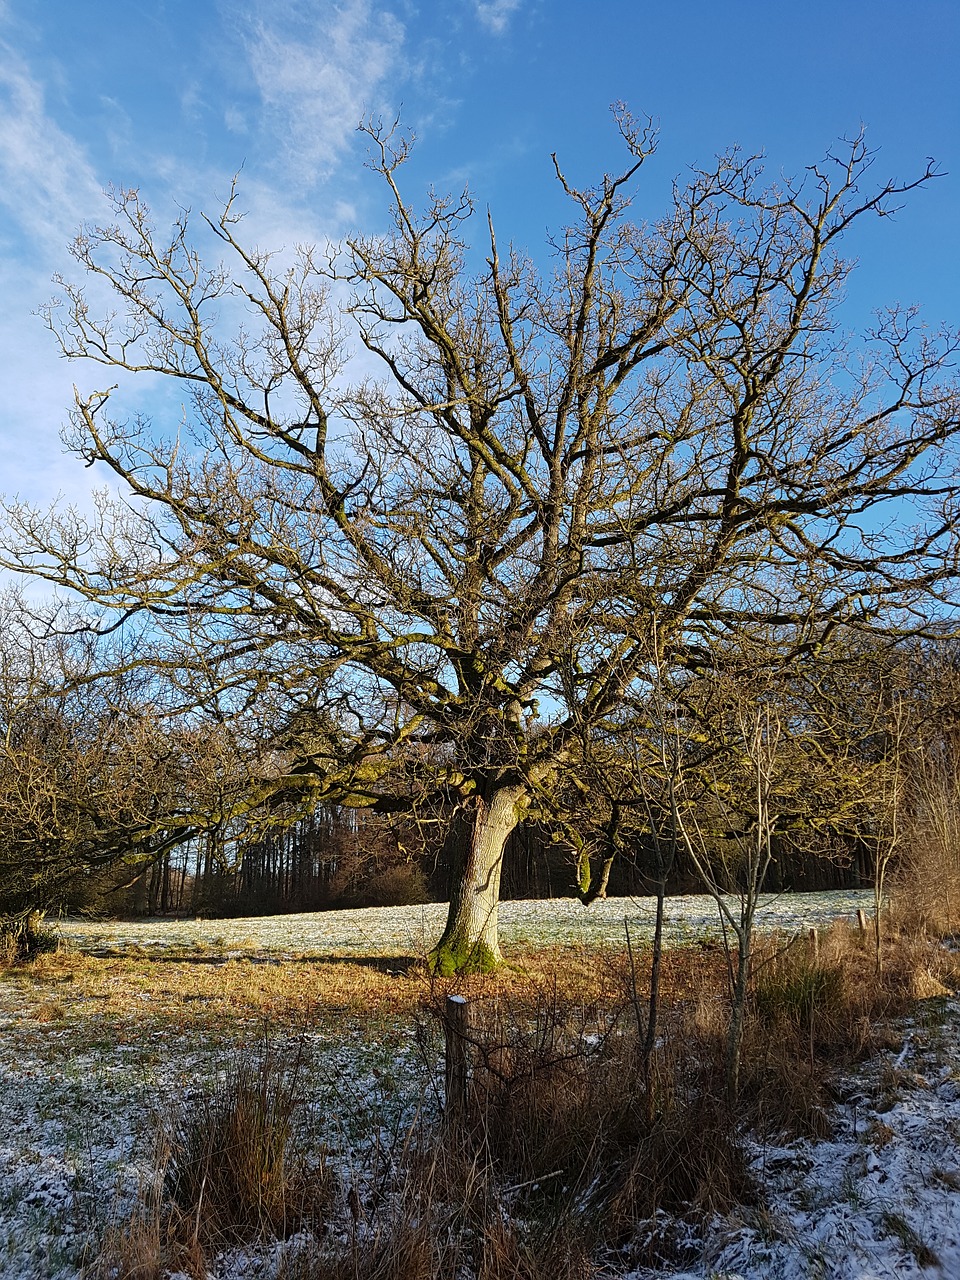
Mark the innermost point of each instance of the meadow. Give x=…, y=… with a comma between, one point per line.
x=410, y=931
x=227, y=1099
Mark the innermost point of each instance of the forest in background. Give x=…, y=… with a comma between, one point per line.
x=77, y=779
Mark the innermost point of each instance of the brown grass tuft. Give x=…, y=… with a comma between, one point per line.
x=233, y=1163
x=151, y=1245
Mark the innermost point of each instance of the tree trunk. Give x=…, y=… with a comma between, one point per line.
x=653, y=1006
x=475, y=843
x=738, y=1011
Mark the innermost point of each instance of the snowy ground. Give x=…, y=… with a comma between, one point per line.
x=79, y=1100
x=81, y=1108
x=410, y=931
x=882, y=1197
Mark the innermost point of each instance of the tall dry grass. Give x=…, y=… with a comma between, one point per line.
x=566, y=1150
x=233, y=1163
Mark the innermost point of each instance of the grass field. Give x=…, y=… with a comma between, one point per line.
x=121, y=1042
x=410, y=931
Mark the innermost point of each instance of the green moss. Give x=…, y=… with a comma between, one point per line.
x=450, y=958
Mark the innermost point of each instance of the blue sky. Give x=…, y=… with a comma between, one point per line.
x=175, y=97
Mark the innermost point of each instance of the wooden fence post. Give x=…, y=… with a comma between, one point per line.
x=814, y=938
x=456, y=1028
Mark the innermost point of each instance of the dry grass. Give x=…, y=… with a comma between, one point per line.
x=557, y=1112
x=813, y=1013
x=423, y=1243
x=152, y=1244
x=232, y=1160
x=447, y=1214
x=126, y=997
x=557, y=1156
x=227, y=1167
x=561, y=1154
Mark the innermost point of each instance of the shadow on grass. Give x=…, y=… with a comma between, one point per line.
x=393, y=965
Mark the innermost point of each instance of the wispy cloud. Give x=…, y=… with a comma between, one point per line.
x=46, y=180
x=48, y=187
x=315, y=69
x=495, y=14
x=318, y=74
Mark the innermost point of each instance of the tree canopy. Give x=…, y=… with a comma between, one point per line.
x=458, y=511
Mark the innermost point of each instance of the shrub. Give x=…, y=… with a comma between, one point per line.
x=402, y=885
x=25, y=937
x=558, y=1111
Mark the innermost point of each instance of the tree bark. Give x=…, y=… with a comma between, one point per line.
x=738, y=1014
x=475, y=843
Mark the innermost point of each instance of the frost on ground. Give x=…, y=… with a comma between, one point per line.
x=881, y=1198
x=410, y=931
x=78, y=1123
x=80, y=1099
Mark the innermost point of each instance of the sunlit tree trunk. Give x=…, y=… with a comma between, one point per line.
x=475, y=844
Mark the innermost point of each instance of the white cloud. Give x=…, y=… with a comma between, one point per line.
x=318, y=75
x=315, y=75
x=495, y=14
x=36, y=390
x=46, y=180
x=48, y=187
x=235, y=120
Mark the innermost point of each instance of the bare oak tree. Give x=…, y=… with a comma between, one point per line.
x=464, y=556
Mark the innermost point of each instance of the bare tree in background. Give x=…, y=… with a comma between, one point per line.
x=734, y=876
x=463, y=554
x=627, y=783
x=94, y=772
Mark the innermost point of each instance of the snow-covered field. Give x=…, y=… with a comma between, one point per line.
x=410, y=931
x=79, y=1099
